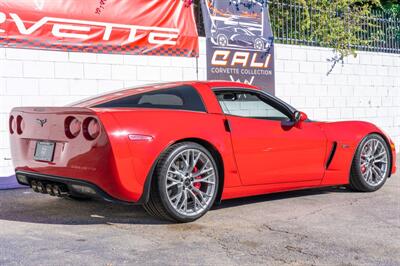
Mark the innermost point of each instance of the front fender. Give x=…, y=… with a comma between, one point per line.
x=348, y=135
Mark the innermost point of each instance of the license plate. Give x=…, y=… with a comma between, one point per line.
x=44, y=151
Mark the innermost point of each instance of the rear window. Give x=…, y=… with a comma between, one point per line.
x=181, y=98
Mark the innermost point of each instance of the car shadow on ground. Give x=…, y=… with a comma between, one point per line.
x=279, y=196
x=23, y=205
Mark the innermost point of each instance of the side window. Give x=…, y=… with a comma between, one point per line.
x=181, y=98
x=248, y=105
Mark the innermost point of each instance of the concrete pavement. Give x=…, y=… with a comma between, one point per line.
x=330, y=226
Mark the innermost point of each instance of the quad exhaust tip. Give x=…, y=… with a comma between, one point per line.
x=59, y=192
x=34, y=186
x=41, y=188
x=51, y=189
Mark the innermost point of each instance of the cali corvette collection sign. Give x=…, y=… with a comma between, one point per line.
x=103, y=26
x=239, y=42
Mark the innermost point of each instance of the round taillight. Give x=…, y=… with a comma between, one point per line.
x=20, y=125
x=91, y=128
x=72, y=127
x=11, y=124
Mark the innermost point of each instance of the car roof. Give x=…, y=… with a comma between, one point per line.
x=156, y=86
x=229, y=84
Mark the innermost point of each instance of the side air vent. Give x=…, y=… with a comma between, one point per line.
x=331, y=154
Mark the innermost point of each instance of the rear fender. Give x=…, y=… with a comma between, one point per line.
x=137, y=159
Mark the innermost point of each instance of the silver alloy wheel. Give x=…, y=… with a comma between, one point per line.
x=374, y=162
x=190, y=182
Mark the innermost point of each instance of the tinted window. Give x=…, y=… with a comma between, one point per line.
x=248, y=105
x=182, y=98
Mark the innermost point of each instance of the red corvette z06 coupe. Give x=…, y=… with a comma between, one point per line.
x=178, y=148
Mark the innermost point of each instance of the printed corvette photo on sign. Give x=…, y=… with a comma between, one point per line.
x=239, y=42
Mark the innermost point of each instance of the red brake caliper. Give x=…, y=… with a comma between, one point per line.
x=198, y=184
x=363, y=169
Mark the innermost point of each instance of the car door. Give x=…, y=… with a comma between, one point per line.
x=267, y=152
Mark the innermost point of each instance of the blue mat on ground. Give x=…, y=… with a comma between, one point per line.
x=9, y=182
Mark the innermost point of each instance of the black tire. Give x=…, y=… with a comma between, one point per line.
x=158, y=204
x=357, y=182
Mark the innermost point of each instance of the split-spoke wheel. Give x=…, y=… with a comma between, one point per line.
x=371, y=164
x=185, y=183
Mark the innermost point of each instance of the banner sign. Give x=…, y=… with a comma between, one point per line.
x=239, y=42
x=145, y=27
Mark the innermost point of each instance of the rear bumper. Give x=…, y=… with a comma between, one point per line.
x=75, y=187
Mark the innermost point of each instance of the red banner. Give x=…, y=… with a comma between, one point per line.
x=148, y=27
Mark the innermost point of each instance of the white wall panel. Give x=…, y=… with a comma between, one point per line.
x=366, y=87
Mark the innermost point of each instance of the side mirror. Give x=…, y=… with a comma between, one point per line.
x=299, y=118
